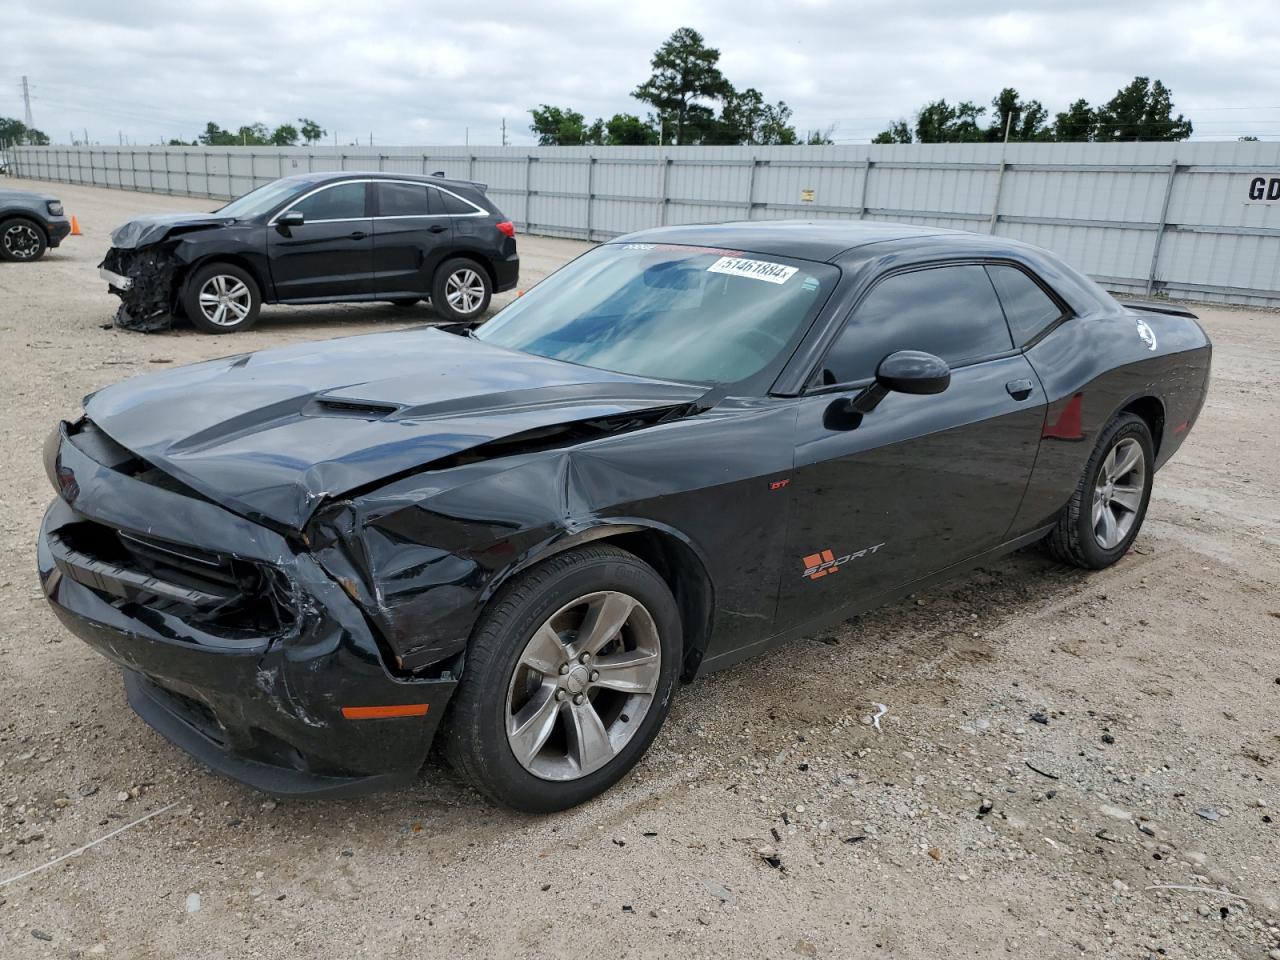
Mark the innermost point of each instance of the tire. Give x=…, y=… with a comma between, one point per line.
x=239, y=309
x=406, y=302
x=22, y=241
x=499, y=687
x=461, y=290
x=1082, y=536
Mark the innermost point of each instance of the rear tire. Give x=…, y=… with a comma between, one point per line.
x=1105, y=513
x=534, y=725
x=461, y=290
x=22, y=241
x=221, y=298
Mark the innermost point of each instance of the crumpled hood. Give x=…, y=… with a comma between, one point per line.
x=154, y=227
x=274, y=433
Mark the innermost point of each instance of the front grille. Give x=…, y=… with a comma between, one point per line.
x=225, y=595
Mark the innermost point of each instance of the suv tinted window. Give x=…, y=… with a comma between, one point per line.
x=453, y=205
x=404, y=200
x=948, y=311
x=1027, y=307
x=343, y=201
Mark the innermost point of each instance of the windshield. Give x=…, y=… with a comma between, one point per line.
x=695, y=314
x=257, y=202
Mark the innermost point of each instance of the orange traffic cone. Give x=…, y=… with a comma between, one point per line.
x=75, y=228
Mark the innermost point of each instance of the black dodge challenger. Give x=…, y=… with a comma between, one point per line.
x=682, y=449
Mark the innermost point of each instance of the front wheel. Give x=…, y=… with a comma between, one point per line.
x=22, y=241
x=222, y=298
x=567, y=680
x=461, y=290
x=1103, y=518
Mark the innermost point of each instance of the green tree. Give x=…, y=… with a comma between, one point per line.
x=285, y=135
x=253, y=135
x=311, y=131
x=1025, y=119
x=1249, y=139
x=939, y=122
x=15, y=131
x=1143, y=110
x=820, y=138
x=897, y=132
x=628, y=130
x=558, y=126
x=685, y=72
x=746, y=119
x=1075, y=124
x=215, y=136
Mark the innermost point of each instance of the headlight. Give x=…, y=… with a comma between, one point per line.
x=55, y=208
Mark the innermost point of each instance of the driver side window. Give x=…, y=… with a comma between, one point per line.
x=344, y=201
x=951, y=312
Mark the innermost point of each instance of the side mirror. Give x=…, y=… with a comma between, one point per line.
x=290, y=218
x=907, y=371
x=913, y=371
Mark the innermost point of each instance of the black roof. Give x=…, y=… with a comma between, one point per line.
x=804, y=239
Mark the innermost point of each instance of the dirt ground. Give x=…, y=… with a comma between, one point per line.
x=1158, y=765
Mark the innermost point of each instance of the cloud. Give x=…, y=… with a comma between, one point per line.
x=408, y=72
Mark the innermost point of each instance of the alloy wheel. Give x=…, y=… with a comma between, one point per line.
x=583, y=685
x=464, y=290
x=225, y=300
x=1117, y=493
x=21, y=241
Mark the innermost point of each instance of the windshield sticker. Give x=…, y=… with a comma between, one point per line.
x=755, y=269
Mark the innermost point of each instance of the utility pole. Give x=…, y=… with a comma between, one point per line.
x=26, y=104
x=504, y=131
x=86, y=136
x=466, y=136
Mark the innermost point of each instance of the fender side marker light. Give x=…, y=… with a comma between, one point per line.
x=386, y=712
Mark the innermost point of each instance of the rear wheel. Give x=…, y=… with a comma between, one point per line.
x=222, y=298
x=461, y=290
x=1103, y=518
x=567, y=680
x=21, y=240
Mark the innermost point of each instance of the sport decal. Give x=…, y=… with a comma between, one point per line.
x=818, y=565
x=755, y=269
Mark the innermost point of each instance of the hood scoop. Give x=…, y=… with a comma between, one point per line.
x=360, y=409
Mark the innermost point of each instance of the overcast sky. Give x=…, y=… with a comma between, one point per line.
x=411, y=72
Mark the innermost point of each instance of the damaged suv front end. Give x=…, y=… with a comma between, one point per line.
x=150, y=255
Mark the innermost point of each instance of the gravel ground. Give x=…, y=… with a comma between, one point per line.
x=1057, y=749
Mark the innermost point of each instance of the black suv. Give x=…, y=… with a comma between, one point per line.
x=30, y=223
x=316, y=238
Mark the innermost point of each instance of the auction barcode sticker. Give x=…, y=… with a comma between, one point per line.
x=755, y=269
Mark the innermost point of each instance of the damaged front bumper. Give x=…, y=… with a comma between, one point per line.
x=145, y=280
x=235, y=644
x=116, y=280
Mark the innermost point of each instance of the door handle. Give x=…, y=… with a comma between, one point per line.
x=1019, y=389
x=436, y=228
x=357, y=235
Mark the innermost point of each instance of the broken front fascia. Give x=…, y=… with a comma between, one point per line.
x=148, y=303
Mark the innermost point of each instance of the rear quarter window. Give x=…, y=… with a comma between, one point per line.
x=453, y=205
x=1026, y=305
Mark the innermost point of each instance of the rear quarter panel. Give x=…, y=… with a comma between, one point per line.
x=1092, y=367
